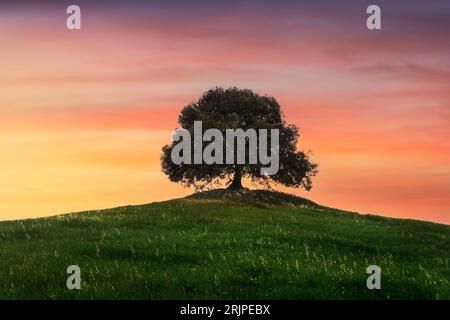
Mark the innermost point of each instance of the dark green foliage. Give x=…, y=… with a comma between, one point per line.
x=234, y=108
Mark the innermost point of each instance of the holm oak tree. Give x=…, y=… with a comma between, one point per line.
x=235, y=108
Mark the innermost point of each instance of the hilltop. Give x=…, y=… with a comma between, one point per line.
x=224, y=245
x=254, y=197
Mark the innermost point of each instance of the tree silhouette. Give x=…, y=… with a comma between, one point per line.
x=235, y=108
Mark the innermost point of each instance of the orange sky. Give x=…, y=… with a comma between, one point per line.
x=84, y=114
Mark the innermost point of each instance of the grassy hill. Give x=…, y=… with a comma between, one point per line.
x=223, y=245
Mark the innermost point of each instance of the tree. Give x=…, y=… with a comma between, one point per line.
x=231, y=109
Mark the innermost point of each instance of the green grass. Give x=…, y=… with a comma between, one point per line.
x=216, y=247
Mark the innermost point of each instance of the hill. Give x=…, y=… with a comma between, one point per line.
x=224, y=245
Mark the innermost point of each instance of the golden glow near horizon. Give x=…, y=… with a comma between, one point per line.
x=84, y=114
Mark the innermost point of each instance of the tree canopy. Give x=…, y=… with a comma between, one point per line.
x=223, y=109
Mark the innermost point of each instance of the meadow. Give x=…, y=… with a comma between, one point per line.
x=215, y=246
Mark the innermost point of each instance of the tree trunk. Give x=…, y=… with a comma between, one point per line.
x=236, y=184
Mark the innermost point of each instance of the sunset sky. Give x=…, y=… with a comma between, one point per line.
x=84, y=113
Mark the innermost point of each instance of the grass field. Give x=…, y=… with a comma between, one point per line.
x=211, y=246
